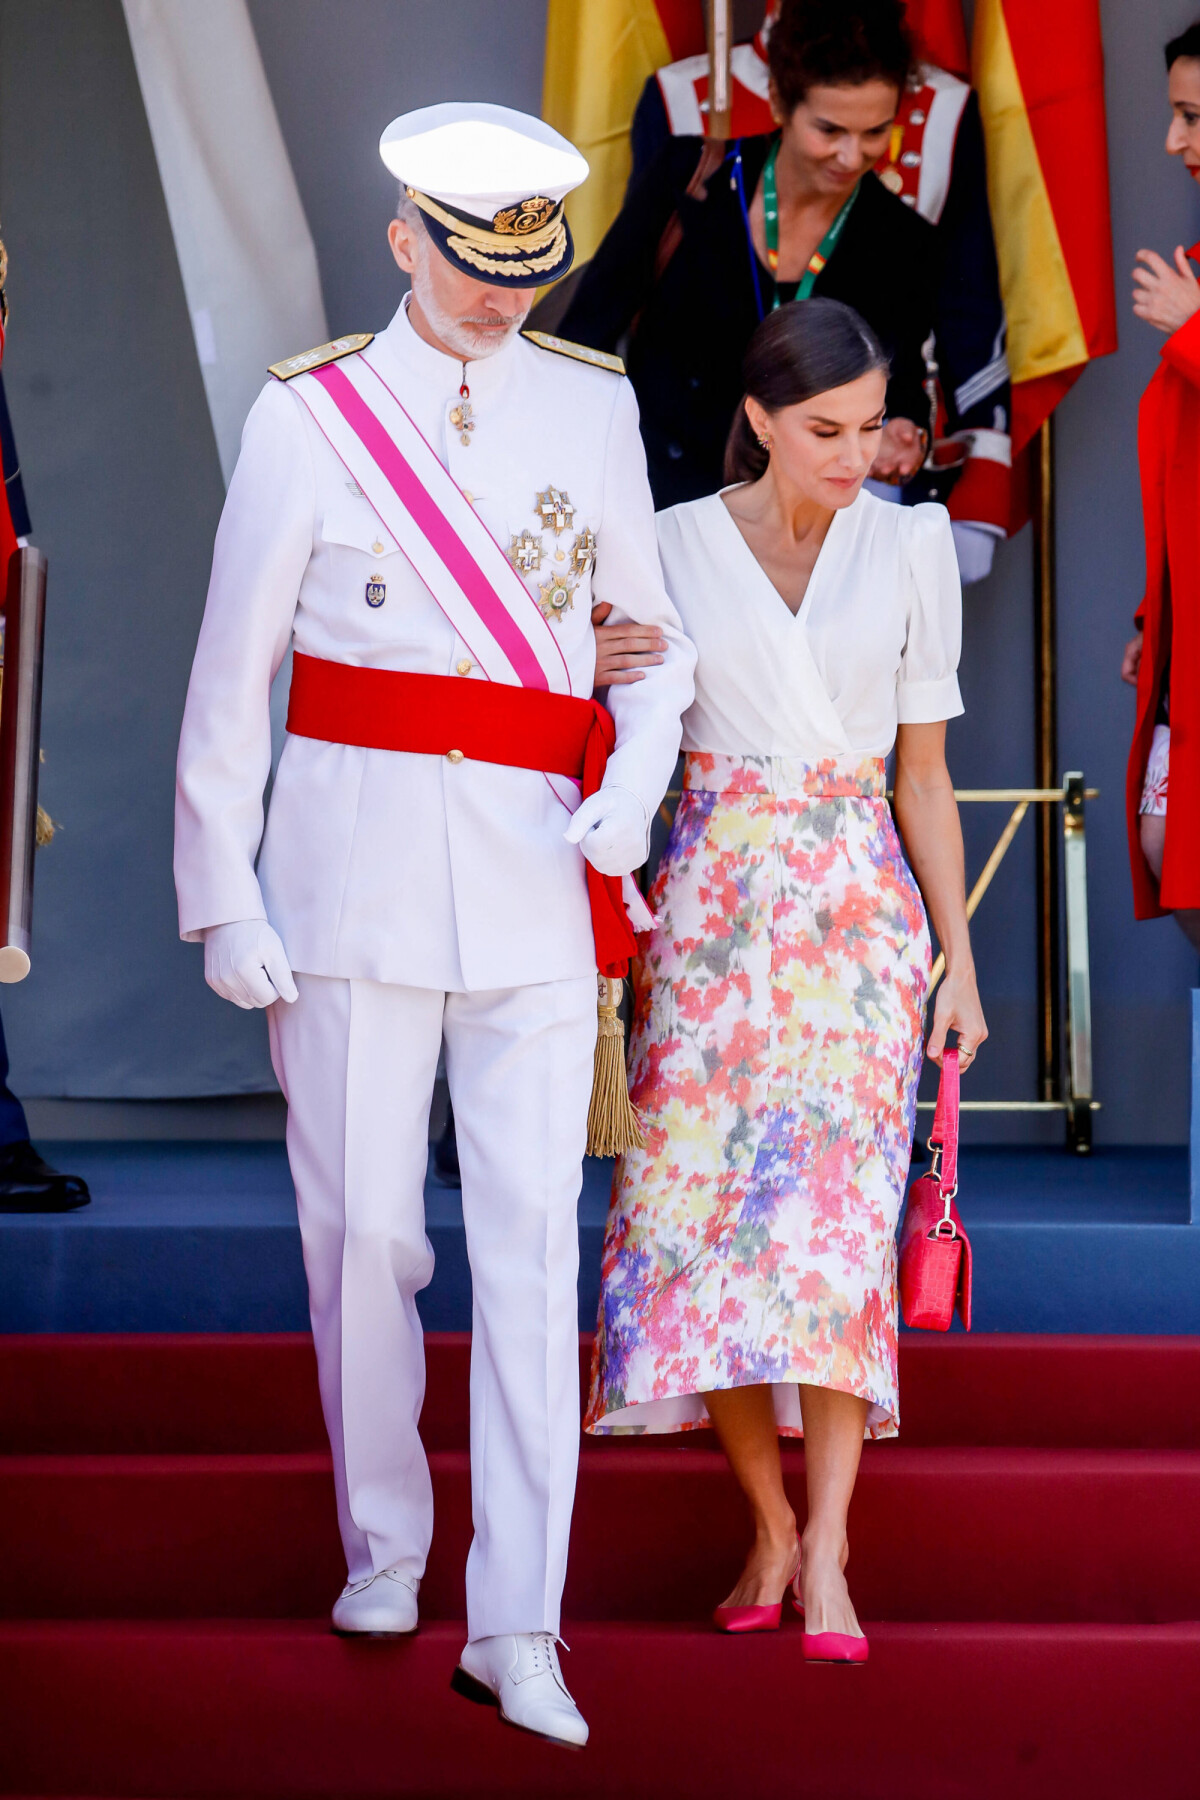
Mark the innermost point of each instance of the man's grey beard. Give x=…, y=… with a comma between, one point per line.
x=468, y=338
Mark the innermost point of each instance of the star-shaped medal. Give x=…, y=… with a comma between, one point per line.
x=583, y=551
x=556, y=596
x=554, y=509
x=525, y=553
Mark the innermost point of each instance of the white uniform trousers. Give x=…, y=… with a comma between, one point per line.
x=356, y=1061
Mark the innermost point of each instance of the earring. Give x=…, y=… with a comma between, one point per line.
x=764, y=443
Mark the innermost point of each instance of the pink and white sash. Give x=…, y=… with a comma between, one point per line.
x=434, y=524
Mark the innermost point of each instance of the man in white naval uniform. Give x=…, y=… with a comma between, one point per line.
x=404, y=898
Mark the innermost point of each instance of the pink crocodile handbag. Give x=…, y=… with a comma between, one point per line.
x=935, y=1251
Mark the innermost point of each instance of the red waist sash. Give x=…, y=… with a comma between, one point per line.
x=475, y=721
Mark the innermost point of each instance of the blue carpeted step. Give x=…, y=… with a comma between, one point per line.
x=203, y=1237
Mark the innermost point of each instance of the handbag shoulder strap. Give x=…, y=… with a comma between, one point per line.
x=945, y=1123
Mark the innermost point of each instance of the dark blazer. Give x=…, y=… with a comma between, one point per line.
x=691, y=326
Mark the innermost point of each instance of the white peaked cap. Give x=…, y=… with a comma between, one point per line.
x=479, y=159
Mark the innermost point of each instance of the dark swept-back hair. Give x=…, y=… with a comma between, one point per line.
x=1186, y=44
x=801, y=349
x=837, y=43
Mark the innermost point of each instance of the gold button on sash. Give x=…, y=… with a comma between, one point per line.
x=454, y=756
x=465, y=666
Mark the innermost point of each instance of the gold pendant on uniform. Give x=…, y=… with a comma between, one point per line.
x=557, y=596
x=463, y=423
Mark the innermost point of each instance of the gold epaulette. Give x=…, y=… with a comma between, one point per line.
x=324, y=353
x=599, y=359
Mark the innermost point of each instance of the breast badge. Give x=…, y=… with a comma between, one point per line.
x=376, y=590
x=555, y=511
x=583, y=552
x=527, y=552
x=557, y=596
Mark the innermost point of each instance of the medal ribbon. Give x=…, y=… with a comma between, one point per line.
x=824, y=249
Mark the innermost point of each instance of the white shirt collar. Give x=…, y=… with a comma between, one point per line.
x=485, y=375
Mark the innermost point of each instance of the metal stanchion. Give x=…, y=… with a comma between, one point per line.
x=1079, y=981
x=1045, y=726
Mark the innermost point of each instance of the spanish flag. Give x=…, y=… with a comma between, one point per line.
x=1038, y=66
x=599, y=56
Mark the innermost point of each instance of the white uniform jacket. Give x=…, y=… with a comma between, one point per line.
x=384, y=865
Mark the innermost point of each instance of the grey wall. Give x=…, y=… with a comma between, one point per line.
x=124, y=489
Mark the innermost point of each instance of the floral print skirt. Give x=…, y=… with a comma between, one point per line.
x=777, y=1045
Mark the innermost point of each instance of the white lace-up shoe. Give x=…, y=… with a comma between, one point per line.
x=384, y=1605
x=520, y=1675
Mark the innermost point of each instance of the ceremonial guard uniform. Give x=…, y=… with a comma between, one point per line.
x=430, y=535
x=935, y=165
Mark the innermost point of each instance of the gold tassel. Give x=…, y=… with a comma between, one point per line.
x=613, y=1123
x=44, y=829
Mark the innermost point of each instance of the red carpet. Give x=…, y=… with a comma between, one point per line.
x=1026, y=1559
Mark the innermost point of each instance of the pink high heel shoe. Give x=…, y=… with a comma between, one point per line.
x=755, y=1618
x=834, y=1647
x=827, y=1646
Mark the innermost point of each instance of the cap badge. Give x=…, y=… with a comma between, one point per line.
x=376, y=591
x=526, y=216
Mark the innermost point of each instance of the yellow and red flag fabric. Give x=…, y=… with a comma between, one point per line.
x=1039, y=73
x=941, y=34
x=599, y=56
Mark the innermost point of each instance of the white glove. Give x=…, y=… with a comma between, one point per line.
x=246, y=963
x=974, y=545
x=613, y=831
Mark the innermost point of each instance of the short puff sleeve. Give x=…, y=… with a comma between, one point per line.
x=927, y=689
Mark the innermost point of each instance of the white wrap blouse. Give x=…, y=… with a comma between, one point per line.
x=874, y=644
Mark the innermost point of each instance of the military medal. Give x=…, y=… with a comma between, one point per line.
x=376, y=590
x=583, y=552
x=556, y=596
x=555, y=511
x=525, y=553
x=463, y=423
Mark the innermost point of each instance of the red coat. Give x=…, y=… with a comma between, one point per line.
x=1169, y=459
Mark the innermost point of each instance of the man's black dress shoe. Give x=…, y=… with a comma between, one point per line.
x=29, y=1185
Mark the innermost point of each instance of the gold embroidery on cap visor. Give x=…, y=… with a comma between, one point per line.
x=505, y=248
x=512, y=263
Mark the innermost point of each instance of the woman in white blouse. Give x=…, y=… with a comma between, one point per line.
x=749, y=1274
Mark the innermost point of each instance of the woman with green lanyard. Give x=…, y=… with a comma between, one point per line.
x=704, y=247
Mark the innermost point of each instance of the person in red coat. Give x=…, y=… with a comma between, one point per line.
x=1163, y=660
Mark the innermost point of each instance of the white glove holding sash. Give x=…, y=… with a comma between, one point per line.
x=246, y=962
x=612, y=829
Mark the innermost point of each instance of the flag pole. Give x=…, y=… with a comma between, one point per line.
x=1045, y=727
x=720, y=105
